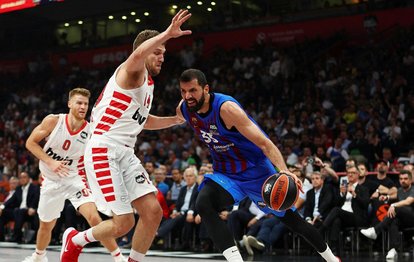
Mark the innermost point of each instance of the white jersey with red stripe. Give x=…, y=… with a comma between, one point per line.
x=63, y=144
x=119, y=115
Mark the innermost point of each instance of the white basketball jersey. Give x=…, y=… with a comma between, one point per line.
x=63, y=144
x=119, y=115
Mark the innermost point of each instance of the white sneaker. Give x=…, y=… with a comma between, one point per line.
x=247, y=246
x=369, y=233
x=120, y=258
x=36, y=258
x=392, y=254
x=253, y=242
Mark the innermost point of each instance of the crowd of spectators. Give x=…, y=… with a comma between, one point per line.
x=332, y=99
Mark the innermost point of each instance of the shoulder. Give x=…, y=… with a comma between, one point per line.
x=51, y=119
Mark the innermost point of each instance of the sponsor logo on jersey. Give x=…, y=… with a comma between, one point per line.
x=55, y=156
x=138, y=117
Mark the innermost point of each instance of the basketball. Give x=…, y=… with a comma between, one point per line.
x=280, y=192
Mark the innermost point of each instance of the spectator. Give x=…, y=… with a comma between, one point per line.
x=7, y=208
x=26, y=198
x=400, y=214
x=319, y=200
x=182, y=216
x=352, y=209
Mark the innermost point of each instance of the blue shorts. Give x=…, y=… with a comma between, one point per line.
x=247, y=184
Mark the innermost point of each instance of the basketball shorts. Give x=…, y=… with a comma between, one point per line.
x=115, y=176
x=247, y=184
x=54, y=193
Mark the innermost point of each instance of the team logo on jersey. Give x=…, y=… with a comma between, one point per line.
x=213, y=129
x=140, y=179
x=83, y=135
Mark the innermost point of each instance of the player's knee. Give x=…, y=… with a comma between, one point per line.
x=152, y=214
x=122, y=225
x=93, y=219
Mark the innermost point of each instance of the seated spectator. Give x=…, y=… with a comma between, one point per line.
x=363, y=181
x=159, y=181
x=400, y=214
x=7, y=208
x=271, y=230
x=246, y=217
x=319, y=201
x=337, y=155
x=352, y=209
x=182, y=217
x=384, y=186
x=26, y=198
x=178, y=183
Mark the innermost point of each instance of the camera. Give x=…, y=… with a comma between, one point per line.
x=311, y=160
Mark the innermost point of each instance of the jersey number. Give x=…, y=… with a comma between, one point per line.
x=66, y=145
x=208, y=137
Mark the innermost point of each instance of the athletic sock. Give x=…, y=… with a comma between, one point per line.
x=135, y=256
x=116, y=252
x=328, y=255
x=232, y=254
x=83, y=238
x=40, y=253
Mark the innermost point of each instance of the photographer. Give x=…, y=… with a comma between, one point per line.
x=324, y=167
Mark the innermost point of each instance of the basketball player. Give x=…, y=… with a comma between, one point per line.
x=243, y=158
x=62, y=168
x=114, y=173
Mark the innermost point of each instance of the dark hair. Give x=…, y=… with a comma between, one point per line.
x=406, y=172
x=144, y=36
x=191, y=74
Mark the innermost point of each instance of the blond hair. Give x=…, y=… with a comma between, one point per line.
x=79, y=91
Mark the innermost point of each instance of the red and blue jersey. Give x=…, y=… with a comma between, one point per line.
x=230, y=150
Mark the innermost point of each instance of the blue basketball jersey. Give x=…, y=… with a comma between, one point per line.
x=231, y=151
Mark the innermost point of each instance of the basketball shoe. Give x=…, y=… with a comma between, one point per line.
x=70, y=251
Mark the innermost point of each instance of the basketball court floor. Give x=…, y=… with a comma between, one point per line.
x=12, y=252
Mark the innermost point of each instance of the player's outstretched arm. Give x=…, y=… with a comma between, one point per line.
x=234, y=116
x=131, y=73
x=158, y=122
x=40, y=132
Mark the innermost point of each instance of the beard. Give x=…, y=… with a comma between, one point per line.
x=197, y=106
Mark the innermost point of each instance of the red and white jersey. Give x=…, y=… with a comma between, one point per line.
x=119, y=115
x=63, y=144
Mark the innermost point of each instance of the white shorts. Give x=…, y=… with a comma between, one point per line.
x=115, y=176
x=54, y=193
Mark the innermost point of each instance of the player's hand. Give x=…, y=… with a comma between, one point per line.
x=59, y=167
x=174, y=30
x=297, y=180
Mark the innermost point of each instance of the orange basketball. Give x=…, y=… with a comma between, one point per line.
x=280, y=192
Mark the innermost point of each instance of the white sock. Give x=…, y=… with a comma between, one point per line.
x=328, y=255
x=83, y=238
x=232, y=254
x=135, y=256
x=40, y=253
x=116, y=252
